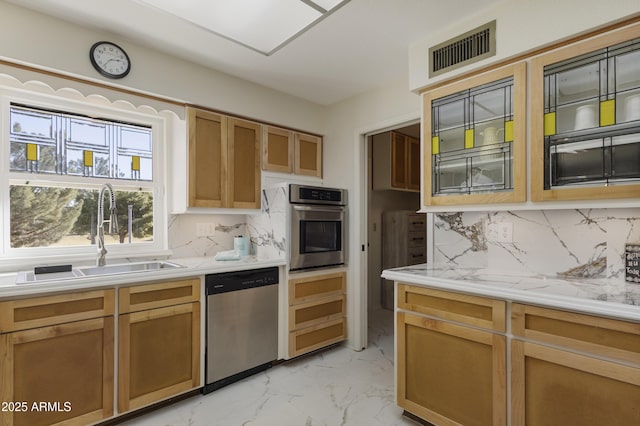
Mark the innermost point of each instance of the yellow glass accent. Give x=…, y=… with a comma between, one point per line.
x=608, y=112
x=135, y=163
x=88, y=158
x=550, y=124
x=468, y=138
x=435, y=145
x=508, y=131
x=32, y=152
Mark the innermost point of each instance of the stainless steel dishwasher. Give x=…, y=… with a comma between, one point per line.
x=242, y=325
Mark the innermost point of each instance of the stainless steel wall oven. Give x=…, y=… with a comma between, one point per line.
x=318, y=227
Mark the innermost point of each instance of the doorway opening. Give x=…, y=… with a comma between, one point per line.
x=396, y=234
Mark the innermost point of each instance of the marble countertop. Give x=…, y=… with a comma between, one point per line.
x=611, y=298
x=190, y=267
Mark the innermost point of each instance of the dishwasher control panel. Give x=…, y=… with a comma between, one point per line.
x=240, y=280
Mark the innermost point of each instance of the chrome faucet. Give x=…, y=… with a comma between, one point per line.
x=113, y=221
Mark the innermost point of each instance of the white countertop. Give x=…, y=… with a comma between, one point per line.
x=191, y=267
x=604, y=297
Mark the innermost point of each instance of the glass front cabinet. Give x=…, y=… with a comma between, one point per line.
x=476, y=129
x=585, y=119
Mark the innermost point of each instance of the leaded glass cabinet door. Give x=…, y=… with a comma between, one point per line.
x=474, y=133
x=585, y=135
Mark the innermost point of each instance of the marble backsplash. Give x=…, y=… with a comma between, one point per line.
x=266, y=229
x=184, y=240
x=585, y=243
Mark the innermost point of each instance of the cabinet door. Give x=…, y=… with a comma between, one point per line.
x=244, y=164
x=413, y=164
x=398, y=161
x=159, y=354
x=448, y=374
x=308, y=155
x=277, y=150
x=554, y=387
x=475, y=144
x=208, y=169
x=585, y=119
x=66, y=370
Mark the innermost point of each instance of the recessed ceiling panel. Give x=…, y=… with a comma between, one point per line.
x=262, y=25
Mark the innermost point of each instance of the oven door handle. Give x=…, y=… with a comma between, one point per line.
x=317, y=208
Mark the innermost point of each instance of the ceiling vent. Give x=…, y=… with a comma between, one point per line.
x=464, y=49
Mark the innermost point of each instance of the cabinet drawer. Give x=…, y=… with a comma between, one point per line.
x=158, y=295
x=462, y=308
x=417, y=239
x=316, y=287
x=316, y=337
x=33, y=312
x=316, y=312
x=587, y=333
x=417, y=223
x=417, y=255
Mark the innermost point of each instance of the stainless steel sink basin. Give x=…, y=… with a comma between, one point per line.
x=126, y=268
x=26, y=277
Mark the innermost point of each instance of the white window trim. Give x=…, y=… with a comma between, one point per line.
x=73, y=102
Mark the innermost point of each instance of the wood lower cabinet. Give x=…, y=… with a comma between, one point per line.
x=317, y=311
x=159, y=342
x=572, y=368
x=451, y=357
x=566, y=368
x=224, y=161
x=57, y=357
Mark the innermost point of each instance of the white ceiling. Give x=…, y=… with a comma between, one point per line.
x=361, y=46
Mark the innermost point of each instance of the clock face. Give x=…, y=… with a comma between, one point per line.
x=109, y=59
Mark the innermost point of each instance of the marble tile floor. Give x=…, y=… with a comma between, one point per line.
x=334, y=387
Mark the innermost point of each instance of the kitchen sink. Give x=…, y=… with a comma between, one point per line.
x=126, y=268
x=26, y=277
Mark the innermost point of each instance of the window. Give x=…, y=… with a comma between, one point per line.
x=61, y=154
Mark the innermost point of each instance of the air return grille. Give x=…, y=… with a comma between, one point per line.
x=465, y=49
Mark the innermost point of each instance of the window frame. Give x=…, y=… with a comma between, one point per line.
x=93, y=106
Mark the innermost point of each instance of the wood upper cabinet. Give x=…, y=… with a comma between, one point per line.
x=572, y=368
x=286, y=151
x=277, y=150
x=451, y=357
x=159, y=342
x=474, y=139
x=307, y=155
x=224, y=161
x=58, y=351
x=396, y=162
x=585, y=119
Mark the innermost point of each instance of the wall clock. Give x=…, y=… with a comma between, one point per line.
x=109, y=59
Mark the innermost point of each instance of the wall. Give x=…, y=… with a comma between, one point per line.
x=522, y=25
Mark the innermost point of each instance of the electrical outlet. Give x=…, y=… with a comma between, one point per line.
x=505, y=232
x=500, y=232
x=492, y=232
x=205, y=229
